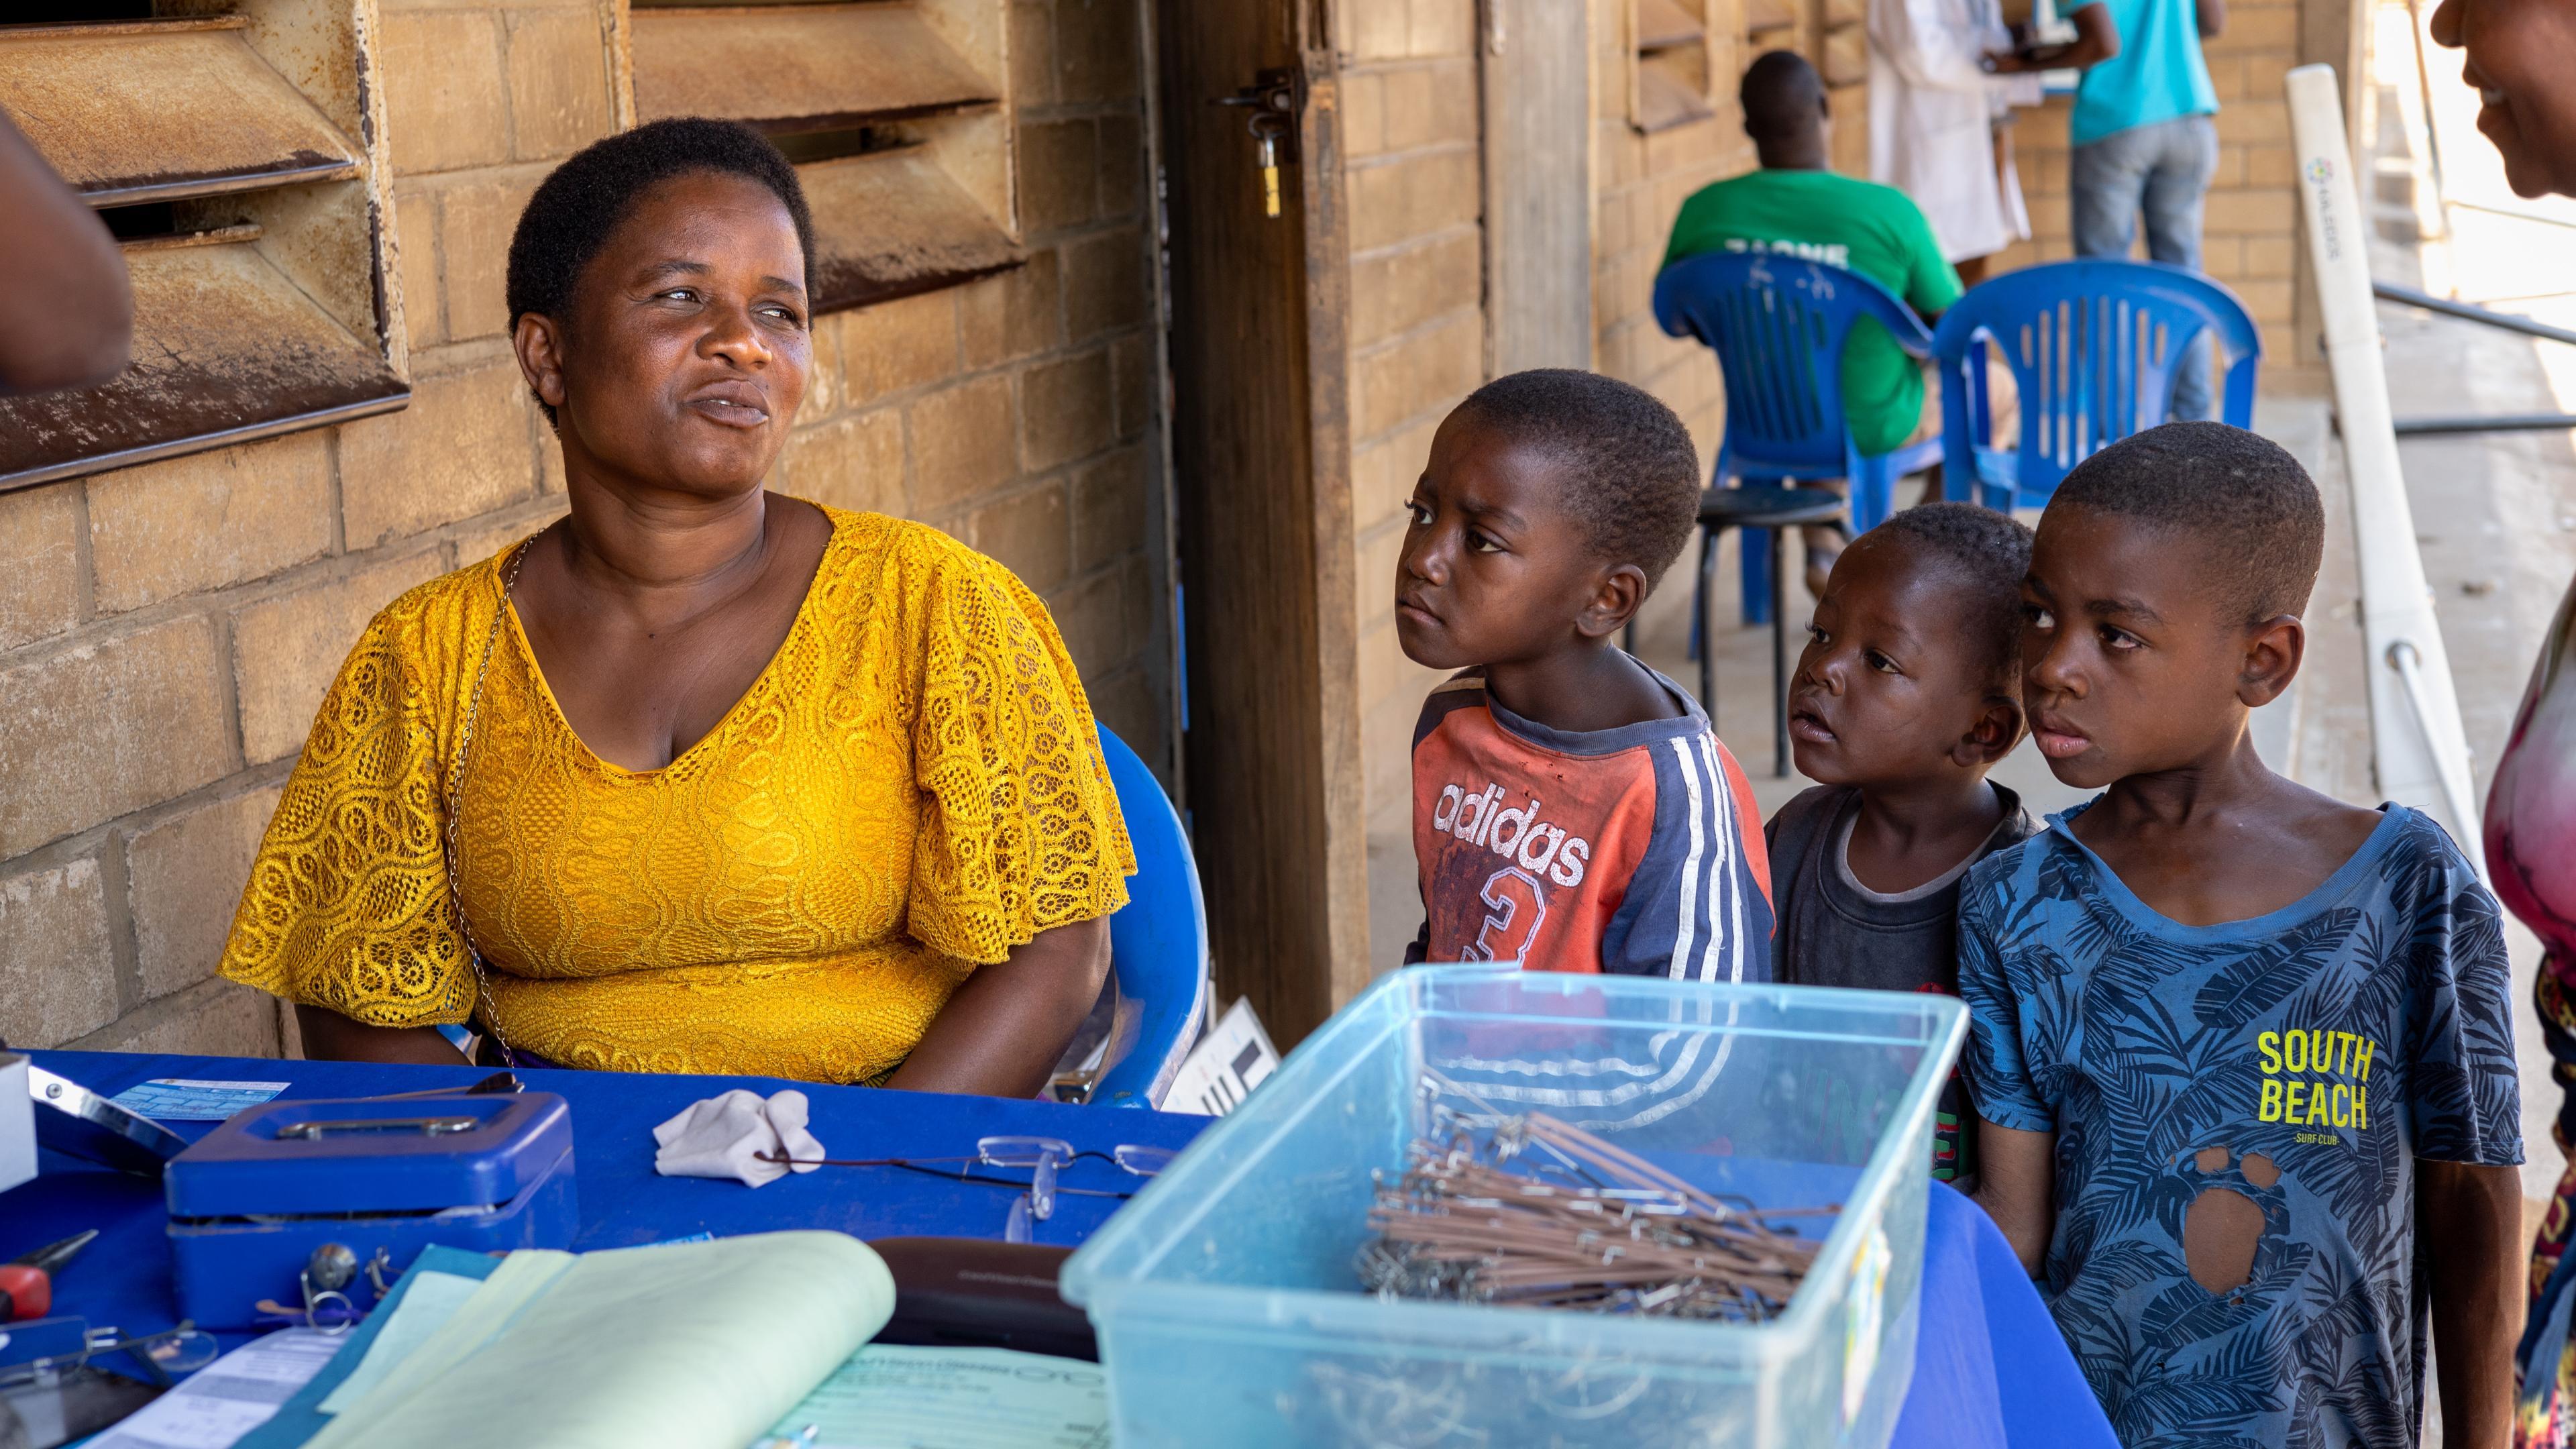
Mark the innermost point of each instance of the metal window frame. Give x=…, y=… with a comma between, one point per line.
x=227, y=350
x=277, y=306
x=936, y=206
x=1664, y=37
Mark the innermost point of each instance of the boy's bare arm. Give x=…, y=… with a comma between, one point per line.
x=2469, y=1219
x=2096, y=40
x=2016, y=1183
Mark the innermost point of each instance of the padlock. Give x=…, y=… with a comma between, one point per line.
x=1269, y=151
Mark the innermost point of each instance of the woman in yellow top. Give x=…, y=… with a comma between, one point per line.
x=701, y=778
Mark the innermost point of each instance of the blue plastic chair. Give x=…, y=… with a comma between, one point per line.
x=1778, y=326
x=2093, y=346
x=1158, y=943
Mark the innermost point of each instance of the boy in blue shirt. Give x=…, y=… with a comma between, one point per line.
x=2243, y=1053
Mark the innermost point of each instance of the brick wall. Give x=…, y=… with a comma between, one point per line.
x=1017, y=412
x=1639, y=185
x=1417, y=327
x=167, y=631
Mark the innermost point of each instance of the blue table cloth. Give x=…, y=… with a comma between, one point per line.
x=1990, y=1368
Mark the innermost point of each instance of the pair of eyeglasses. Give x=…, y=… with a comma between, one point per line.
x=43, y=1351
x=1044, y=1158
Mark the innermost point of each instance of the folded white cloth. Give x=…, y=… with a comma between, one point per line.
x=725, y=1136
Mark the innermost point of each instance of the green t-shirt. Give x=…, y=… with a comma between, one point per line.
x=1874, y=230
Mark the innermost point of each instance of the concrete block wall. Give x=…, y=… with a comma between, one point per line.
x=1017, y=413
x=166, y=632
x=1415, y=192
x=1639, y=183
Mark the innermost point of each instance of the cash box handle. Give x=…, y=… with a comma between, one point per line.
x=424, y=1126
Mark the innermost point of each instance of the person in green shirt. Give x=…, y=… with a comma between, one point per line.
x=1796, y=206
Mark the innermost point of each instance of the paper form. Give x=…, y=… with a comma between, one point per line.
x=427, y=1304
x=686, y=1346
x=889, y=1397
x=227, y=1398
x=180, y=1099
x=491, y=1307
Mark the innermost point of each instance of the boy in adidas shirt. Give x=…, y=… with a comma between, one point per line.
x=1573, y=810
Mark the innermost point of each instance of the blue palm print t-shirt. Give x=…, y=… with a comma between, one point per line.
x=2239, y=1109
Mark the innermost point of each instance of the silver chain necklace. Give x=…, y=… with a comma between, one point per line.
x=456, y=800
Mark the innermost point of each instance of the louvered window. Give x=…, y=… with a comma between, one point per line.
x=247, y=205
x=891, y=110
x=1842, y=57
x=1844, y=52
x=1770, y=25
x=1676, y=63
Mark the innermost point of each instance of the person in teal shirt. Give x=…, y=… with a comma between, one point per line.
x=1796, y=206
x=2145, y=139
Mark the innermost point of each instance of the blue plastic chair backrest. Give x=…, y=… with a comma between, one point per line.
x=1778, y=326
x=1158, y=941
x=2093, y=346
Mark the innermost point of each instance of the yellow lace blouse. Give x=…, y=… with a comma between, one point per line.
x=911, y=789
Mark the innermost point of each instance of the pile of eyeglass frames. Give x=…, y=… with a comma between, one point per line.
x=44, y=1351
x=1536, y=1213
x=1041, y=1157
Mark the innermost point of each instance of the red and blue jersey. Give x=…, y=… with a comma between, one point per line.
x=1634, y=850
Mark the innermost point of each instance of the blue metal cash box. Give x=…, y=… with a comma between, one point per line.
x=282, y=1186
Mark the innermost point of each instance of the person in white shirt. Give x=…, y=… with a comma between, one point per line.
x=1933, y=102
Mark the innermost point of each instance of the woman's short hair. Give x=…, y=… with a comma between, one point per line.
x=574, y=209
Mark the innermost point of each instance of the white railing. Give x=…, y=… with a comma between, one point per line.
x=2419, y=751
x=2457, y=793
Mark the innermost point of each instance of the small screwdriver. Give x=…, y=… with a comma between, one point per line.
x=27, y=1284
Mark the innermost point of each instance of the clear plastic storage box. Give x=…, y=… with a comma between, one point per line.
x=1227, y=1298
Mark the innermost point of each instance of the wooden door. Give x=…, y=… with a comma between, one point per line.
x=1261, y=462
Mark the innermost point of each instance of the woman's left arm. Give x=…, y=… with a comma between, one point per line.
x=1001, y=1034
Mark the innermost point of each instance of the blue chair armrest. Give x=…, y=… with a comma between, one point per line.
x=1668, y=310
x=1914, y=457
x=1158, y=941
x=1899, y=320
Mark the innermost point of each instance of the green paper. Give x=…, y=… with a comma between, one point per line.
x=426, y=1306
x=888, y=1397
x=681, y=1346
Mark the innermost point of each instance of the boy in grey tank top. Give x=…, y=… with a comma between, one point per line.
x=1907, y=694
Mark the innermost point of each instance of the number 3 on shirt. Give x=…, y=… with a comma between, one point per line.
x=1511, y=893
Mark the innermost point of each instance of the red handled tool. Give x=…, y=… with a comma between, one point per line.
x=27, y=1284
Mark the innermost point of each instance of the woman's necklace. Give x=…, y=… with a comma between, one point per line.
x=456, y=800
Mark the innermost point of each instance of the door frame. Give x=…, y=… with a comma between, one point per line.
x=1259, y=351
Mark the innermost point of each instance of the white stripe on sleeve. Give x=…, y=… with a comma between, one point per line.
x=1686, y=928
x=1722, y=862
